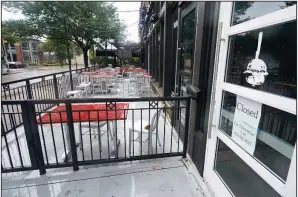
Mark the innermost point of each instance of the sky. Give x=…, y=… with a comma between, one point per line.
x=131, y=19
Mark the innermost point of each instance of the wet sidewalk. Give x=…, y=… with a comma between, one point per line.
x=158, y=177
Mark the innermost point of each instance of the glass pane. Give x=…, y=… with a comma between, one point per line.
x=274, y=70
x=12, y=46
x=187, y=59
x=276, y=133
x=188, y=26
x=25, y=45
x=247, y=10
x=238, y=176
x=185, y=81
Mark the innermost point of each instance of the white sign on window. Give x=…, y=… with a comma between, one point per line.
x=175, y=24
x=246, y=121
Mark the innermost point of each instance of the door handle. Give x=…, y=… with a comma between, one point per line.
x=212, y=103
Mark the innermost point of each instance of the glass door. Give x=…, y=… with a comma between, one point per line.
x=186, y=47
x=253, y=129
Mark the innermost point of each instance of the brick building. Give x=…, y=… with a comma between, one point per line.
x=27, y=51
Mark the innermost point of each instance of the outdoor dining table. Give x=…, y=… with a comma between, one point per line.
x=135, y=70
x=88, y=112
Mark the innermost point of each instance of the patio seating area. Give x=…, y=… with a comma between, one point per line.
x=111, y=115
x=123, y=82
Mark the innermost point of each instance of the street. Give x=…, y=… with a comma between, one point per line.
x=33, y=71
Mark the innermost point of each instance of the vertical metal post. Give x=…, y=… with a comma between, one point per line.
x=29, y=118
x=106, y=57
x=29, y=136
x=186, y=128
x=29, y=92
x=72, y=137
x=55, y=87
x=68, y=56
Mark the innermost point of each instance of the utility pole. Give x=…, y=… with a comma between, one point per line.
x=68, y=55
x=106, y=58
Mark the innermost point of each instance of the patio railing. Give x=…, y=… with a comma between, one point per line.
x=37, y=88
x=108, y=130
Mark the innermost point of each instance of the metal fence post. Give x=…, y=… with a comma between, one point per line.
x=29, y=92
x=186, y=128
x=72, y=137
x=32, y=136
x=55, y=87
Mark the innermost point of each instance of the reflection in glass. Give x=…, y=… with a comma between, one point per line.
x=187, y=59
x=278, y=51
x=238, y=176
x=188, y=27
x=247, y=10
x=185, y=81
x=277, y=133
x=186, y=68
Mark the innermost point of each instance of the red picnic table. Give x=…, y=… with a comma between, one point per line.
x=86, y=113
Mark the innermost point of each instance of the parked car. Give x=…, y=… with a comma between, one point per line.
x=16, y=65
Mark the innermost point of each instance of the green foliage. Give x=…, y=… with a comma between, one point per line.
x=33, y=64
x=92, y=53
x=240, y=8
x=53, y=64
x=59, y=47
x=14, y=31
x=84, y=23
x=135, y=60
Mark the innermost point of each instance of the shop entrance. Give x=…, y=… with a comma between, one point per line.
x=253, y=130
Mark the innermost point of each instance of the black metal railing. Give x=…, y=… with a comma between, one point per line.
x=42, y=87
x=65, y=135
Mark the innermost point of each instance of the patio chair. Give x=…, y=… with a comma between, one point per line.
x=120, y=77
x=117, y=70
x=65, y=93
x=145, y=87
x=94, y=129
x=84, y=83
x=132, y=84
x=100, y=84
x=74, y=94
x=112, y=83
x=148, y=129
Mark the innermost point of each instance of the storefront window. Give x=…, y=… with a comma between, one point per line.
x=188, y=27
x=275, y=131
x=265, y=59
x=247, y=10
x=238, y=176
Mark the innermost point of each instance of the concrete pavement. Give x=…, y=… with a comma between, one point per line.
x=33, y=71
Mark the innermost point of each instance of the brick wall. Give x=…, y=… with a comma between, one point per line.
x=19, y=53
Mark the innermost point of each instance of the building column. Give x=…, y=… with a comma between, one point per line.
x=10, y=53
x=167, y=55
x=161, y=55
x=19, y=52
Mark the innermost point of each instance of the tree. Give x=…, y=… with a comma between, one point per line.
x=10, y=36
x=240, y=8
x=288, y=4
x=82, y=23
x=58, y=47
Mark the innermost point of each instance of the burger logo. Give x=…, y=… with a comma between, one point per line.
x=256, y=68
